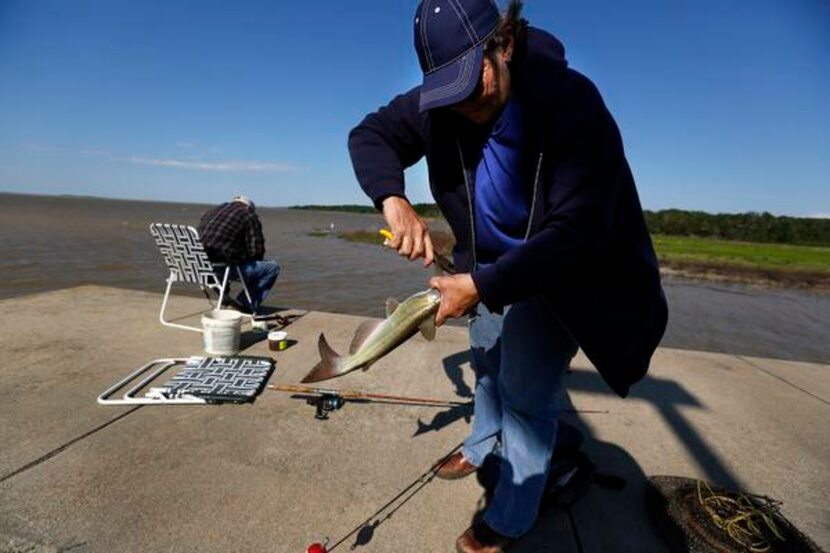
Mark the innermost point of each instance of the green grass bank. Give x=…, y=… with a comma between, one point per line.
x=700, y=258
x=702, y=246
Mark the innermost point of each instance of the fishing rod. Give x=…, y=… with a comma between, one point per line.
x=327, y=400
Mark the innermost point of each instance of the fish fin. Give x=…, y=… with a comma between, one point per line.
x=427, y=328
x=330, y=364
x=360, y=335
x=366, y=366
x=391, y=305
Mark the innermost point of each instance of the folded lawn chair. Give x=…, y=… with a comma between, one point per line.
x=200, y=380
x=185, y=256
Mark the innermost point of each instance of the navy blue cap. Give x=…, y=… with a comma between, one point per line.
x=449, y=37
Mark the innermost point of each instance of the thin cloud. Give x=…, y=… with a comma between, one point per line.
x=220, y=166
x=189, y=163
x=34, y=146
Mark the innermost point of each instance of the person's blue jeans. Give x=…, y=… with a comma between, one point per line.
x=260, y=277
x=519, y=359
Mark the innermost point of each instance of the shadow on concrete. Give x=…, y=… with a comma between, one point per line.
x=454, y=369
x=666, y=396
x=605, y=519
x=271, y=313
x=453, y=366
x=249, y=338
x=270, y=310
x=586, y=513
x=591, y=517
x=600, y=518
x=290, y=343
x=445, y=418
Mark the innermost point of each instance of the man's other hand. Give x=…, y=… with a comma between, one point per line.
x=410, y=233
x=458, y=294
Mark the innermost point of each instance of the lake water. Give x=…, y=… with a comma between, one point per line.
x=58, y=242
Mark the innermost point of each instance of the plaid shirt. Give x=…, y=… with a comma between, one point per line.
x=232, y=233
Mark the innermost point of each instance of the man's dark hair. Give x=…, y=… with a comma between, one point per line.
x=512, y=24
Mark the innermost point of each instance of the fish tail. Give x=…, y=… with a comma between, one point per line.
x=331, y=364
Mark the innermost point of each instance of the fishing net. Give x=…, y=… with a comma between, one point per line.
x=696, y=517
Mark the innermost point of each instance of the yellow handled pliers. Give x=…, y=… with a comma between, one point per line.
x=443, y=262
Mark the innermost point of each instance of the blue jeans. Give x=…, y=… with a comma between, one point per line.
x=260, y=277
x=519, y=359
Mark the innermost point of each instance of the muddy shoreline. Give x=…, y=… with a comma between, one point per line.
x=700, y=271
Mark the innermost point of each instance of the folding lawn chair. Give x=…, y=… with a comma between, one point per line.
x=200, y=380
x=185, y=256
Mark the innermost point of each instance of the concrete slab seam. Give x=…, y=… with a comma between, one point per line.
x=784, y=380
x=65, y=446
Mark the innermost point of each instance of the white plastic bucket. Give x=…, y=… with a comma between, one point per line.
x=221, y=330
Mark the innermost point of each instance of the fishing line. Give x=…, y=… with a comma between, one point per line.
x=417, y=484
x=742, y=518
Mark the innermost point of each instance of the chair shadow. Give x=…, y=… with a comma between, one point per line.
x=249, y=338
x=267, y=310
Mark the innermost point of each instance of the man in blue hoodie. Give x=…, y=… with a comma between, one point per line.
x=527, y=166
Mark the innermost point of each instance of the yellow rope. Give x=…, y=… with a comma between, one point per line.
x=741, y=519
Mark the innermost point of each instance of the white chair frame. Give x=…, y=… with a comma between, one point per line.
x=185, y=256
x=152, y=397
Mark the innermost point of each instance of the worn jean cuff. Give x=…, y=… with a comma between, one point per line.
x=473, y=457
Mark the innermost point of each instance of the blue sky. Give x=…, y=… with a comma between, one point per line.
x=723, y=106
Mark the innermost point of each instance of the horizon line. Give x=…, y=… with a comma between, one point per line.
x=368, y=204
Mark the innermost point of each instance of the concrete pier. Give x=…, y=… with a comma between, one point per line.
x=81, y=477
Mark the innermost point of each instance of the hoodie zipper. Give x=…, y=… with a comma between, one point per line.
x=470, y=198
x=535, y=190
x=469, y=202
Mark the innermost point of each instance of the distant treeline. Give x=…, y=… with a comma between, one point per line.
x=424, y=210
x=744, y=227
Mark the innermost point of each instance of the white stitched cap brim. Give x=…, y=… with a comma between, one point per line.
x=453, y=82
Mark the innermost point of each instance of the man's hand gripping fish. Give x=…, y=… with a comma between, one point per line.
x=374, y=339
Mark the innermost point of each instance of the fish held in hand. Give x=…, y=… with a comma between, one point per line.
x=374, y=339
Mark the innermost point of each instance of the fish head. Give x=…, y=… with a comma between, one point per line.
x=426, y=300
x=432, y=296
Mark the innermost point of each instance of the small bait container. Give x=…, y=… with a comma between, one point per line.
x=277, y=340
